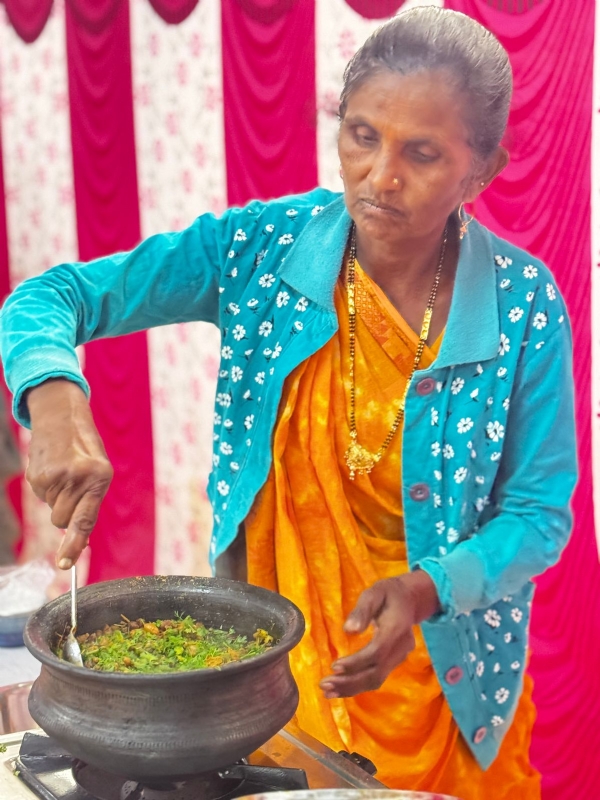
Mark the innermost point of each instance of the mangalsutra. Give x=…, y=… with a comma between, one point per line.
x=361, y=461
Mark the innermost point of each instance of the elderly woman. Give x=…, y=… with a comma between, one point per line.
x=394, y=439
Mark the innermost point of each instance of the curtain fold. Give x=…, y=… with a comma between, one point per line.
x=28, y=17
x=376, y=9
x=174, y=11
x=542, y=202
x=107, y=204
x=269, y=97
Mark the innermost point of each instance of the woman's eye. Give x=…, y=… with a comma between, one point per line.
x=365, y=137
x=424, y=158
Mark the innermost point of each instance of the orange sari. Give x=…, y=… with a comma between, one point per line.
x=321, y=539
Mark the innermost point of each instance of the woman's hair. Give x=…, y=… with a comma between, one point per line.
x=428, y=39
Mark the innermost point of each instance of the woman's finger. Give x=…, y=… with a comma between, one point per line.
x=65, y=503
x=367, y=608
x=80, y=526
x=349, y=685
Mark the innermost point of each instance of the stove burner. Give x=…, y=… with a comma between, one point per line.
x=53, y=774
x=101, y=785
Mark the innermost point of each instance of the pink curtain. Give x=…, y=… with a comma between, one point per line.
x=376, y=9
x=28, y=17
x=542, y=203
x=269, y=97
x=107, y=204
x=174, y=11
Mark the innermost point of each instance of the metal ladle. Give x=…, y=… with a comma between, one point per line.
x=71, y=650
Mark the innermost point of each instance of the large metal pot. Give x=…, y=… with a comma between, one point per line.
x=162, y=726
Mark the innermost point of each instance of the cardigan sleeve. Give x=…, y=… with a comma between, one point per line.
x=168, y=278
x=531, y=520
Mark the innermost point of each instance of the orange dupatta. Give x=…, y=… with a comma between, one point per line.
x=320, y=540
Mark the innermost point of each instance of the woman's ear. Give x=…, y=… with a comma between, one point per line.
x=483, y=177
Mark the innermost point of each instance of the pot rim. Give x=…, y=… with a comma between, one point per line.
x=40, y=649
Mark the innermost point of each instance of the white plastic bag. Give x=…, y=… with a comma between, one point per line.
x=23, y=588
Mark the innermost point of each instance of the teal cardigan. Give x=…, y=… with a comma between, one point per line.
x=488, y=449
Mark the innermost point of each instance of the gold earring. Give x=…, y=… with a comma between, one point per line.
x=464, y=221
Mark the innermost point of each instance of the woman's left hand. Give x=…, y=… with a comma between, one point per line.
x=392, y=606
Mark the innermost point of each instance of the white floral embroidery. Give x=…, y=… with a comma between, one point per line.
x=495, y=456
x=460, y=474
x=502, y=372
x=479, y=669
x=515, y=314
x=234, y=466
x=529, y=296
x=550, y=291
x=434, y=416
x=233, y=273
x=223, y=399
x=504, y=346
x=265, y=328
x=502, y=695
x=465, y=424
x=440, y=527
x=223, y=488
x=480, y=479
x=216, y=418
x=226, y=448
x=503, y=261
x=260, y=378
x=302, y=304
x=494, y=431
x=236, y=374
x=561, y=319
x=215, y=460
x=506, y=403
x=452, y=535
x=496, y=721
x=283, y=299
x=231, y=254
x=442, y=551
x=474, y=394
x=249, y=421
x=228, y=424
x=530, y=271
x=233, y=308
x=456, y=385
x=239, y=332
x=448, y=451
x=253, y=303
x=226, y=352
x=436, y=473
x=490, y=647
x=436, y=449
x=505, y=283
x=240, y=236
x=298, y=325
x=248, y=442
x=270, y=227
x=316, y=210
x=437, y=501
x=516, y=614
x=291, y=213
x=515, y=665
x=221, y=289
x=267, y=280
x=260, y=257
x=540, y=320
x=287, y=238
x=497, y=667
x=539, y=345
x=508, y=638
x=492, y=617
x=472, y=658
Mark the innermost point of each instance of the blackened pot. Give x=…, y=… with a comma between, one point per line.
x=164, y=726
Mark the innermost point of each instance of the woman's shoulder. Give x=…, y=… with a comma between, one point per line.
x=290, y=206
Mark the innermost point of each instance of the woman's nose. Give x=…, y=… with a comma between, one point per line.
x=386, y=174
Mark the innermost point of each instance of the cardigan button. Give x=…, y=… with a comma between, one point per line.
x=454, y=676
x=479, y=735
x=426, y=386
x=419, y=492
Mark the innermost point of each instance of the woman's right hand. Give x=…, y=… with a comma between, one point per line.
x=68, y=467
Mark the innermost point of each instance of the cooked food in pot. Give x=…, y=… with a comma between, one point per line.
x=172, y=645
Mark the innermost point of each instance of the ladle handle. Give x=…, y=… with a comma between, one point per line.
x=73, y=598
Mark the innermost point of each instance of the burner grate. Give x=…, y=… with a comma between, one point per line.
x=53, y=774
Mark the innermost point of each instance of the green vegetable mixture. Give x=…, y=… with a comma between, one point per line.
x=166, y=646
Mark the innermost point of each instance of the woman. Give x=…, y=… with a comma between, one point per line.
x=394, y=417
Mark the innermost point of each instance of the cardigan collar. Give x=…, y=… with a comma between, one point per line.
x=472, y=334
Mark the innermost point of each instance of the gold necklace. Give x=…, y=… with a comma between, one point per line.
x=360, y=460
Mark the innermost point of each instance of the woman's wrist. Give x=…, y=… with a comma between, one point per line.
x=424, y=593
x=55, y=396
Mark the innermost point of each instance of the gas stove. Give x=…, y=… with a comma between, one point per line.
x=34, y=766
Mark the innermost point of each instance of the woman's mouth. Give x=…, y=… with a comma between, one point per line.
x=376, y=207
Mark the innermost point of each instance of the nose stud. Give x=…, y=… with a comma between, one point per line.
x=395, y=181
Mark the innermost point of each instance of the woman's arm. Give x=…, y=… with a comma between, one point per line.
x=171, y=277
x=531, y=518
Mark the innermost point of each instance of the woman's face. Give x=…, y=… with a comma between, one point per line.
x=405, y=155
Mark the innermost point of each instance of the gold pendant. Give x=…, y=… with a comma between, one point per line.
x=359, y=460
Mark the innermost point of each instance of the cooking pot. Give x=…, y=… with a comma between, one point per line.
x=166, y=726
x=349, y=794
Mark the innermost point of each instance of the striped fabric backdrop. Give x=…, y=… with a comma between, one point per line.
x=122, y=118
